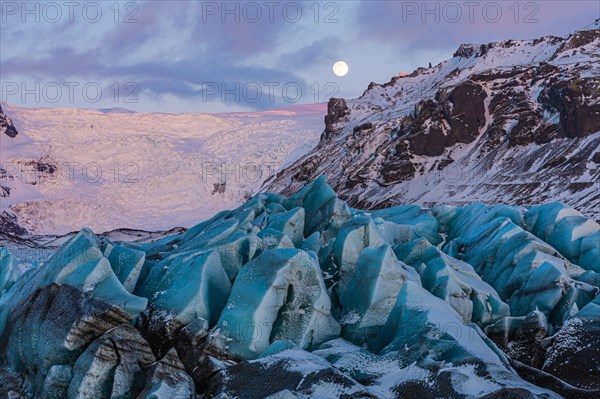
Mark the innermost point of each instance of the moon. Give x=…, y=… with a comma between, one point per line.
x=340, y=68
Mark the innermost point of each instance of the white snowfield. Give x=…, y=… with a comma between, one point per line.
x=73, y=168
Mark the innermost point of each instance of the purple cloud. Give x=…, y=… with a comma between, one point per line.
x=183, y=48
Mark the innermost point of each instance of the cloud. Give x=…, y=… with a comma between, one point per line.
x=184, y=48
x=186, y=79
x=440, y=24
x=321, y=52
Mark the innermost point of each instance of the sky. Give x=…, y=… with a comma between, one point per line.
x=224, y=56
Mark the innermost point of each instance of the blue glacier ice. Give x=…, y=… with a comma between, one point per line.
x=371, y=293
x=454, y=281
x=572, y=234
x=291, y=223
x=324, y=211
x=7, y=271
x=305, y=297
x=98, y=277
x=418, y=222
x=102, y=370
x=196, y=286
x=354, y=236
x=80, y=263
x=523, y=269
x=271, y=239
x=459, y=221
x=280, y=295
x=126, y=263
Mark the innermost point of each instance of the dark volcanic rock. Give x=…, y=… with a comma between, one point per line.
x=543, y=379
x=337, y=110
x=200, y=360
x=168, y=377
x=578, y=39
x=53, y=326
x=14, y=385
x=464, y=50
x=297, y=371
x=159, y=329
x=395, y=171
x=112, y=366
x=6, y=125
x=364, y=126
x=578, y=118
x=468, y=112
x=9, y=224
x=574, y=356
x=443, y=387
x=511, y=393
x=454, y=117
x=522, y=338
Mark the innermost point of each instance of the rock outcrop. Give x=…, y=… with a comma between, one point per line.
x=6, y=125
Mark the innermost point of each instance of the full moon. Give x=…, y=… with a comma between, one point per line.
x=340, y=68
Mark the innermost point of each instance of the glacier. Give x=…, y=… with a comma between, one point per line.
x=306, y=297
x=209, y=162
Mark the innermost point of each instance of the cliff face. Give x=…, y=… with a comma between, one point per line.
x=511, y=121
x=7, y=222
x=6, y=125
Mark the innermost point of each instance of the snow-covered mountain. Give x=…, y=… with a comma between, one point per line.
x=516, y=122
x=70, y=168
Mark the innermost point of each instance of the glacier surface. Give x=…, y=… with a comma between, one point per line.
x=303, y=296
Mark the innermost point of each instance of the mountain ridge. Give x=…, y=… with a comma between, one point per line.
x=514, y=121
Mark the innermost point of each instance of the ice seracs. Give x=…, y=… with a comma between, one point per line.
x=306, y=297
x=371, y=293
x=572, y=234
x=279, y=295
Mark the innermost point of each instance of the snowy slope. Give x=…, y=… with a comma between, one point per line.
x=71, y=168
x=516, y=121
